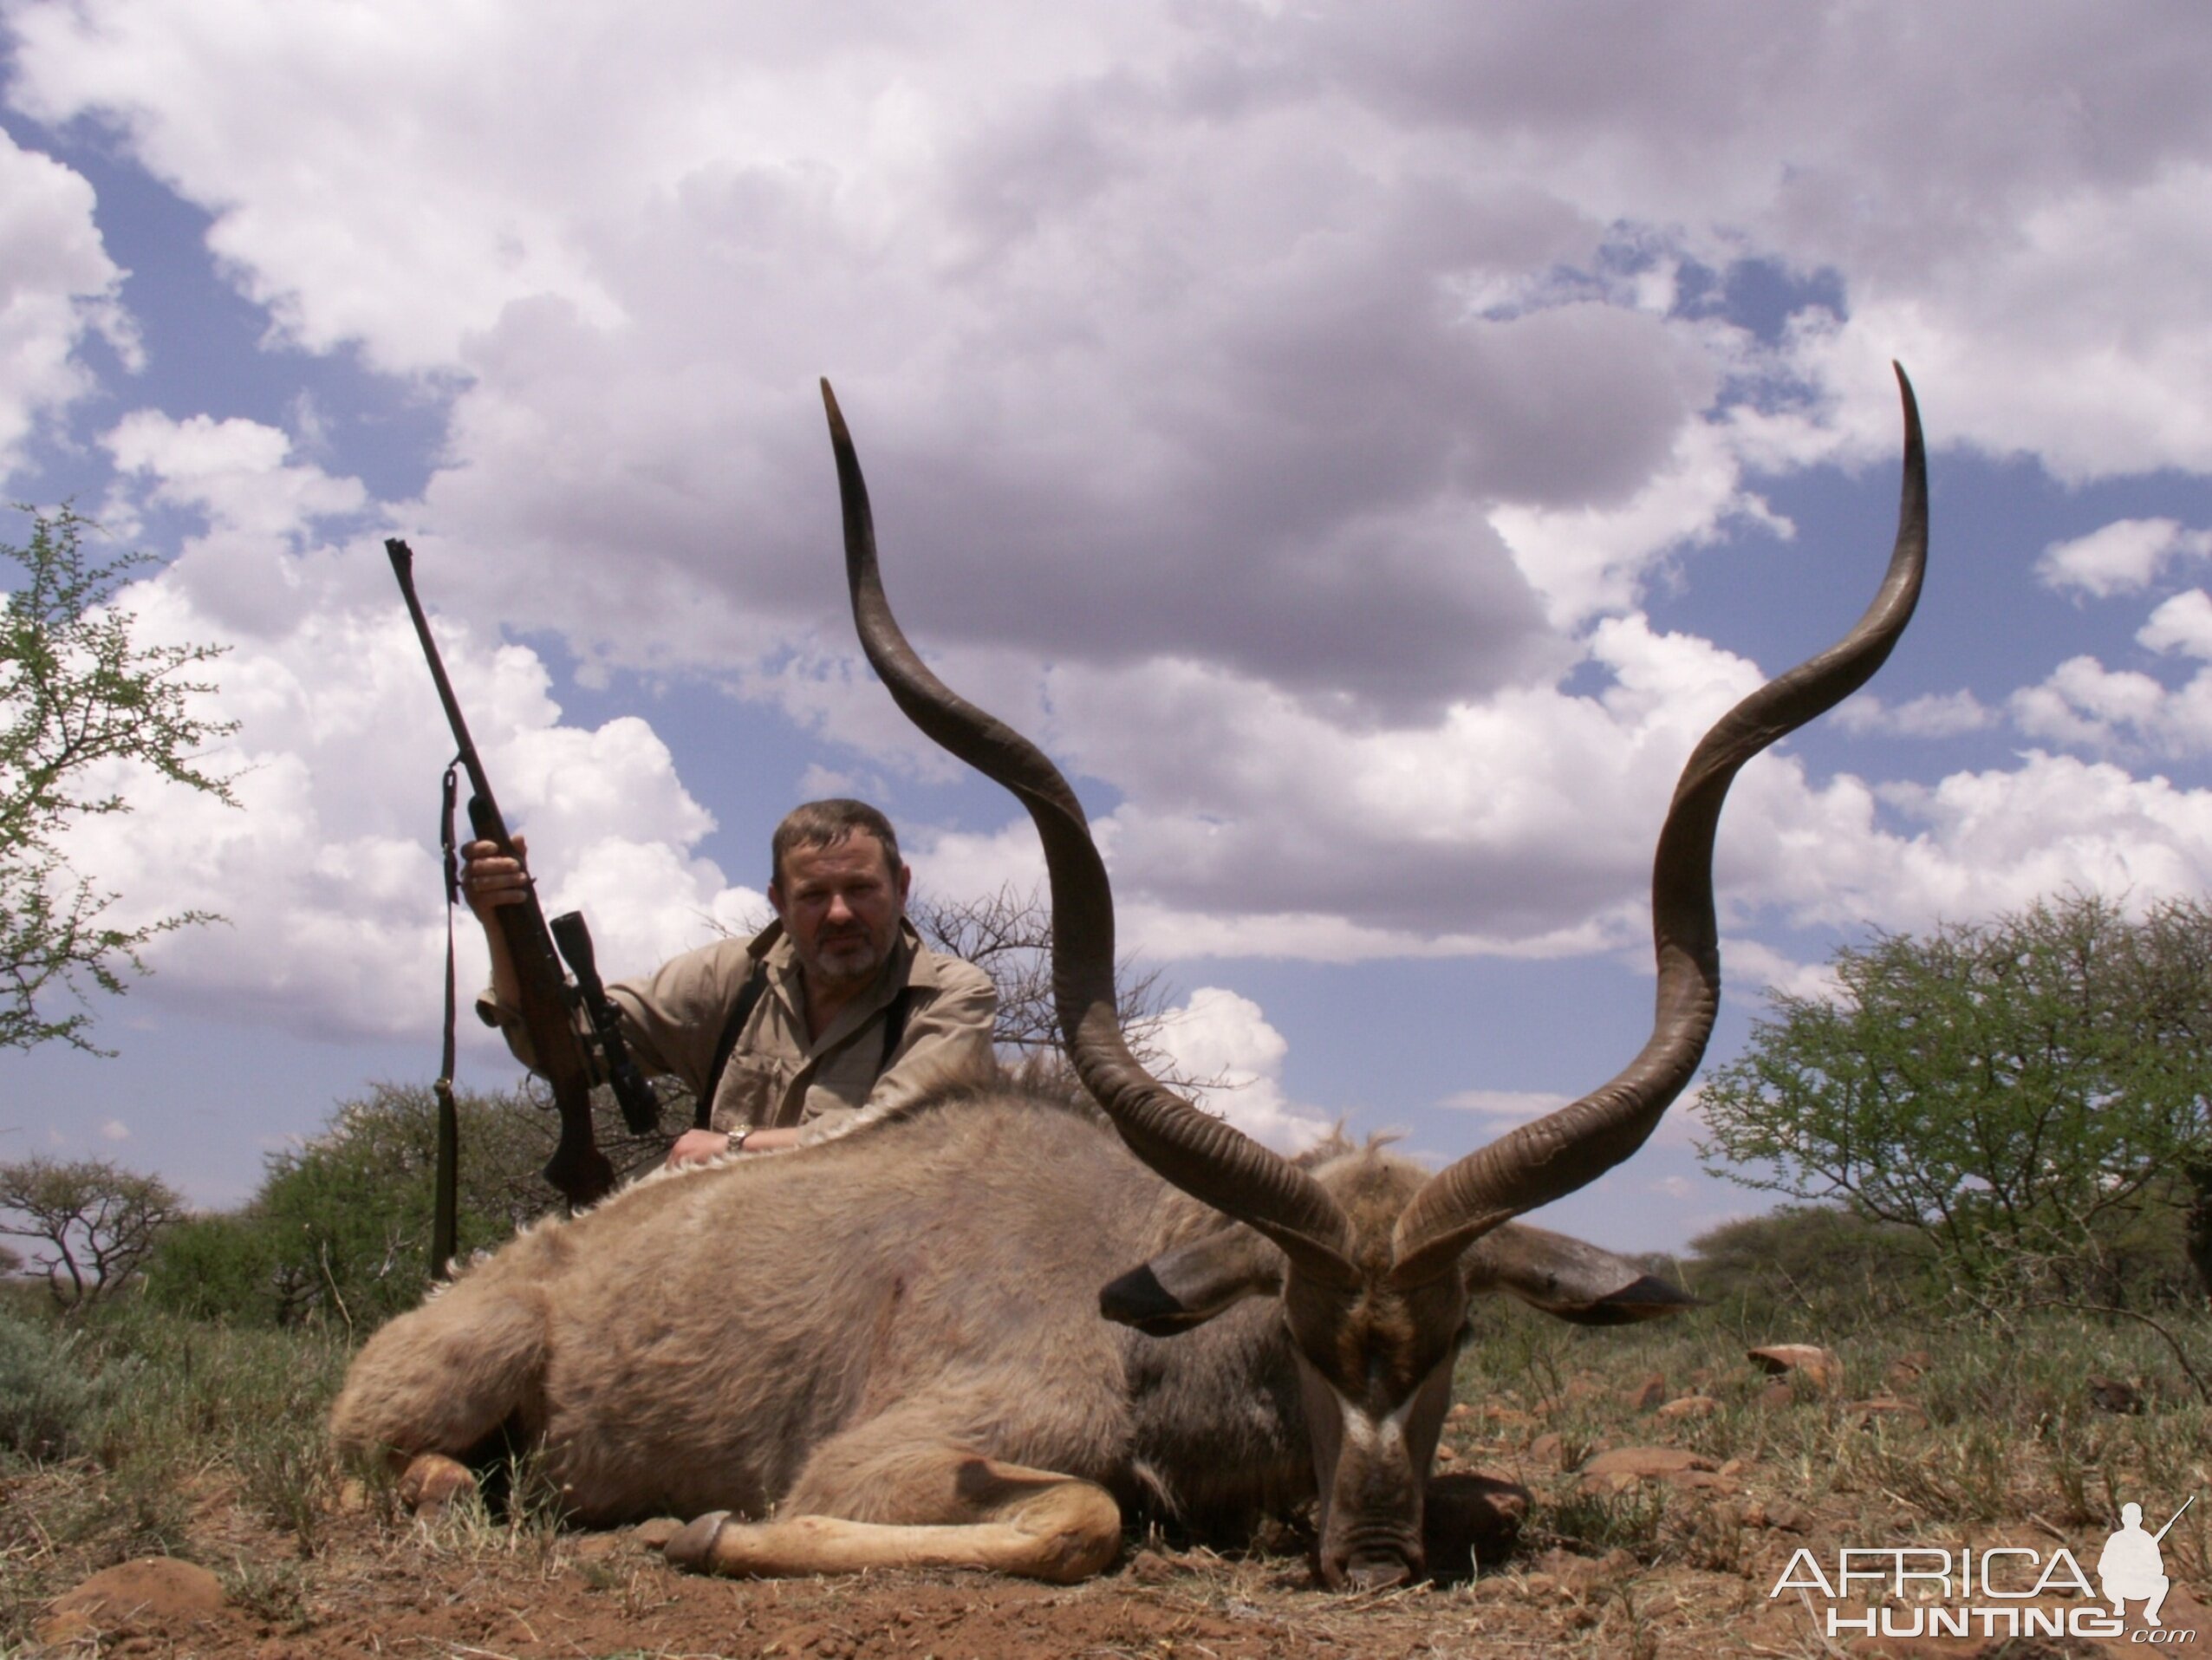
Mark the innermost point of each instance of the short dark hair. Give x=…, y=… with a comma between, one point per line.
x=825, y=824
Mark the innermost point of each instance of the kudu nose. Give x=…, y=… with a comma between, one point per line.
x=1376, y=1573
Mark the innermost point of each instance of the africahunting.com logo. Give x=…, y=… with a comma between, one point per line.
x=1994, y=1590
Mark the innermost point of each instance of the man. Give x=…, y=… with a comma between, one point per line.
x=2131, y=1567
x=834, y=1013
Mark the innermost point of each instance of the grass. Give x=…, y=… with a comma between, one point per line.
x=208, y=1442
x=174, y=1416
x=2007, y=1434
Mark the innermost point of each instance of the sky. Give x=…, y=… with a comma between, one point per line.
x=1366, y=445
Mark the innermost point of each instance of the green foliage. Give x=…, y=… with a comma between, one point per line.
x=156, y=1406
x=2019, y=1092
x=96, y=1223
x=1824, y=1260
x=45, y=1397
x=78, y=694
x=340, y=1229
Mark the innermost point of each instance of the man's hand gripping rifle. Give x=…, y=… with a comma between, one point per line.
x=547, y=1001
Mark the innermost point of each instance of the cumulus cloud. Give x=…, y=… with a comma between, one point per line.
x=57, y=287
x=1167, y=339
x=2122, y=557
x=2182, y=623
x=2121, y=711
x=326, y=880
x=1224, y=1038
x=1936, y=714
x=1996, y=839
x=1281, y=413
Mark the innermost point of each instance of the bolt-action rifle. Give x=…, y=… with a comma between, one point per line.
x=577, y=1167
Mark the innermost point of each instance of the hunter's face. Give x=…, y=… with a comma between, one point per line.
x=841, y=904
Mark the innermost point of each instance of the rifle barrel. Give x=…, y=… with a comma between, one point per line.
x=402, y=557
x=2172, y=1519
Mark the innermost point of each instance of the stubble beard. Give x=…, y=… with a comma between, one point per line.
x=848, y=963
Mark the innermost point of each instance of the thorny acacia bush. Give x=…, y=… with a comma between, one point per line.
x=92, y=1224
x=338, y=1230
x=2032, y=1095
x=80, y=692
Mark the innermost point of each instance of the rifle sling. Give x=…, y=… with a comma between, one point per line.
x=444, y=1207
x=749, y=996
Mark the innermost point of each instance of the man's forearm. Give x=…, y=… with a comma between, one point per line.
x=506, y=987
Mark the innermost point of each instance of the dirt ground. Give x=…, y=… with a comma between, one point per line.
x=1713, y=1543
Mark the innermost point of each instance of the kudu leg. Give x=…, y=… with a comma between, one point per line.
x=436, y=1384
x=975, y=1512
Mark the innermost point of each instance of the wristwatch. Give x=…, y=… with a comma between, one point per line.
x=737, y=1138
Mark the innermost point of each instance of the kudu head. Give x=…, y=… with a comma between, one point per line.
x=1375, y=1275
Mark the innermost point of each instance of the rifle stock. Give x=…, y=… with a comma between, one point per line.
x=578, y=1169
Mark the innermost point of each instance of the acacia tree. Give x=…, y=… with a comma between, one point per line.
x=95, y=1222
x=78, y=693
x=1008, y=934
x=340, y=1226
x=2020, y=1091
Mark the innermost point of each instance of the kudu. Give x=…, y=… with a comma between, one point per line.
x=892, y=1341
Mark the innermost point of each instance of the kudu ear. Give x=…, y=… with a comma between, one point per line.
x=1568, y=1279
x=1187, y=1288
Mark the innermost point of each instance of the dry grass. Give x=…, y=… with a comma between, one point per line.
x=207, y=1444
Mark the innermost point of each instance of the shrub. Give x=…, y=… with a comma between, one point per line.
x=46, y=1398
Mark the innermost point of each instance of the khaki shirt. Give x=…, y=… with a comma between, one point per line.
x=673, y=1018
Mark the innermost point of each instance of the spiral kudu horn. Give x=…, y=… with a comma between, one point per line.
x=1199, y=1154
x=1568, y=1148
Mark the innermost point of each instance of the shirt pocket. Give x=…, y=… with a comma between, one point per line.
x=752, y=1090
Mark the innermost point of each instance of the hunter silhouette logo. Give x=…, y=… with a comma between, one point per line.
x=2131, y=1568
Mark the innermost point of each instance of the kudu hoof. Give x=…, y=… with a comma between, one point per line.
x=693, y=1548
x=431, y=1482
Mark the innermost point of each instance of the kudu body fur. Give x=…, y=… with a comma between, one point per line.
x=893, y=1343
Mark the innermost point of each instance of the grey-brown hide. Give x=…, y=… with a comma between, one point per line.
x=1373, y=1365
x=853, y=1331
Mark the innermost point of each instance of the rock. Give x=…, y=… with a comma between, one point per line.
x=1608, y=1472
x=2111, y=1395
x=1777, y=1394
x=1548, y=1449
x=1150, y=1568
x=1689, y=1406
x=1648, y=1461
x=1909, y=1368
x=655, y=1534
x=1777, y=1513
x=1447, y=1454
x=1469, y=1518
x=1703, y=1481
x=154, y=1593
x=1819, y=1367
x=596, y=1547
x=1648, y=1394
x=1459, y=1412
